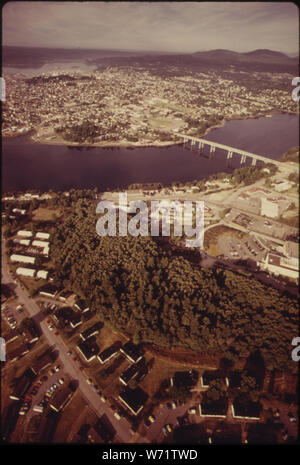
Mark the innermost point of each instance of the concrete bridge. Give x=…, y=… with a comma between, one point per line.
x=195, y=141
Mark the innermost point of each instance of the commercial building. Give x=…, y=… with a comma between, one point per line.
x=280, y=266
x=283, y=186
x=291, y=251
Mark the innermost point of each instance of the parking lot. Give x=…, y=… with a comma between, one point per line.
x=43, y=390
x=13, y=313
x=256, y=223
x=242, y=249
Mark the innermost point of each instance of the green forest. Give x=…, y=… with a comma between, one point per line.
x=157, y=297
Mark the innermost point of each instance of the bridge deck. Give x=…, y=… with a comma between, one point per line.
x=232, y=149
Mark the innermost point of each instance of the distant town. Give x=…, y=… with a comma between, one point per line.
x=126, y=106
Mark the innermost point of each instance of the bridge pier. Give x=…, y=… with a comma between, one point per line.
x=198, y=143
x=212, y=151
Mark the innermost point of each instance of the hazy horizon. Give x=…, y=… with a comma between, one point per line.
x=162, y=27
x=292, y=54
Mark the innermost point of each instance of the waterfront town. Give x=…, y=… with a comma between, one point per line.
x=135, y=107
x=137, y=341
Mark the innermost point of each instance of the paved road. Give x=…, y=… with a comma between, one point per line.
x=57, y=344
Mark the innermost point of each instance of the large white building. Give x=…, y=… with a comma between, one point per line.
x=283, y=186
x=280, y=266
x=29, y=272
x=22, y=259
x=291, y=251
x=25, y=233
x=41, y=235
x=42, y=244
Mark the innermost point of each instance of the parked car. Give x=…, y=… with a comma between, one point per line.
x=292, y=418
x=167, y=429
x=150, y=419
x=192, y=410
x=57, y=368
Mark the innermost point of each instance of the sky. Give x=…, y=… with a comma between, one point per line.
x=181, y=27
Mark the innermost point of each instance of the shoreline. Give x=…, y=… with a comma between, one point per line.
x=132, y=145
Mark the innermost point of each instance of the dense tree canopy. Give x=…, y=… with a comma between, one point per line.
x=160, y=298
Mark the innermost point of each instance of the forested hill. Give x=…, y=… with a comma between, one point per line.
x=166, y=300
